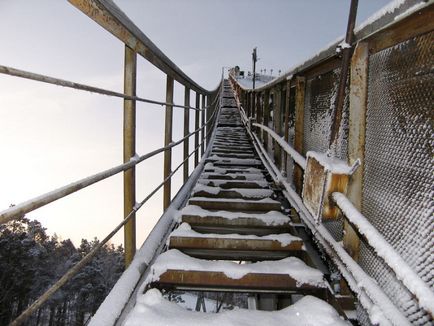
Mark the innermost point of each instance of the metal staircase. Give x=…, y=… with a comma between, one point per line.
x=234, y=216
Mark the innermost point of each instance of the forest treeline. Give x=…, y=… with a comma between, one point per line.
x=31, y=261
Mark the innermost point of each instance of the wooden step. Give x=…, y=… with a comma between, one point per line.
x=263, y=205
x=240, y=225
x=233, y=176
x=234, y=155
x=234, y=193
x=234, y=246
x=234, y=184
x=173, y=269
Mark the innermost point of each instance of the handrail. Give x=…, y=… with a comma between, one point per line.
x=107, y=14
x=86, y=259
x=348, y=266
x=383, y=249
x=66, y=83
x=298, y=158
x=49, y=197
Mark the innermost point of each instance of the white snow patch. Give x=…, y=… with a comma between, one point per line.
x=409, y=10
x=331, y=164
x=389, y=8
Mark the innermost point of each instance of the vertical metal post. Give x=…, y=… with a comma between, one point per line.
x=356, y=138
x=196, y=127
x=300, y=86
x=129, y=147
x=266, y=115
x=167, y=141
x=346, y=57
x=254, y=59
x=186, y=131
x=286, y=127
x=209, y=113
x=204, y=130
x=277, y=117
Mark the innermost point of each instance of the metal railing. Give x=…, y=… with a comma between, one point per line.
x=282, y=139
x=107, y=14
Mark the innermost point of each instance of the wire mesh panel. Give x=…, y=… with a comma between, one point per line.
x=320, y=98
x=398, y=176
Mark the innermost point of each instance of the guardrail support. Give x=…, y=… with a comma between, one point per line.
x=356, y=138
x=300, y=86
x=205, y=129
x=286, y=126
x=209, y=112
x=277, y=117
x=130, y=70
x=196, y=127
x=167, y=141
x=186, y=131
x=266, y=116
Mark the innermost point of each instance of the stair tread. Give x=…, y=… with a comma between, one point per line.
x=265, y=204
x=173, y=266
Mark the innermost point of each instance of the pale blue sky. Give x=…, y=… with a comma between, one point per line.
x=50, y=136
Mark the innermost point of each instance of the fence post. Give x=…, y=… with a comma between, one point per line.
x=186, y=131
x=286, y=127
x=196, y=127
x=209, y=99
x=167, y=141
x=266, y=115
x=202, y=145
x=356, y=138
x=129, y=147
x=277, y=119
x=300, y=87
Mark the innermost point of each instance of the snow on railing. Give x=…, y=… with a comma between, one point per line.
x=383, y=249
x=380, y=308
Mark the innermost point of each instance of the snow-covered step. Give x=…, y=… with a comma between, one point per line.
x=201, y=190
x=225, y=222
x=234, y=155
x=235, y=150
x=234, y=246
x=178, y=270
x=233, y=176
x=221, y=161
x=153, y=309
x=261, y=205
x=227, y=184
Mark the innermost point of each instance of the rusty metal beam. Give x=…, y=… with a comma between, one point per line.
x=356, y=138
x=300, y=87
x=346, y=58
x=286, y=124
x=196, y=127
x=186, y=132
x=167, y=140
x=204, y=130
x=129, y=142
